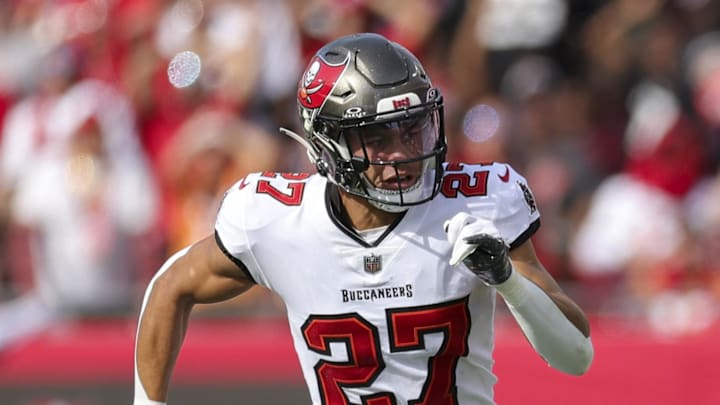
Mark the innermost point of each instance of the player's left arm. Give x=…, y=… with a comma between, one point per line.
x=553, y=323
x=525, y=261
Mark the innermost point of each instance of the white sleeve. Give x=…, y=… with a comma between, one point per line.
x=549, y=331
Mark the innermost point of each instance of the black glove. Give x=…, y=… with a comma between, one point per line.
x=489, y=260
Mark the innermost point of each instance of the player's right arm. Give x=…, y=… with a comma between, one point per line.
x=201, y=273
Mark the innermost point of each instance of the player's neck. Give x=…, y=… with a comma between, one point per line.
x=363, y=215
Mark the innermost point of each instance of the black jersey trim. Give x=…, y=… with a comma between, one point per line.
x=338, y=216
x=234, y=259
x=529, y=232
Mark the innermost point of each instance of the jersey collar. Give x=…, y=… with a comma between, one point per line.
x=338, y=215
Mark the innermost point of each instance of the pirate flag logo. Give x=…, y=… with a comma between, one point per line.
x=318, y=81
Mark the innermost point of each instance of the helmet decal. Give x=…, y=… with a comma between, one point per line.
x=318, y=81
x=398, y=102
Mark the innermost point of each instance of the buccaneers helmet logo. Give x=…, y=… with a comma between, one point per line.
x=318, y=81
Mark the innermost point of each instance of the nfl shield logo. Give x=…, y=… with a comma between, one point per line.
x=373, y=263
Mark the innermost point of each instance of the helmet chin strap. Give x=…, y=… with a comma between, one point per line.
x=395, y=209
x=412, y=193
x=409, y=195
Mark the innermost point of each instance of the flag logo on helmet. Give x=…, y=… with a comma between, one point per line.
x=318, y=81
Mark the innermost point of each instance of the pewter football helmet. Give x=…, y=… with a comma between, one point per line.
x=363, y=89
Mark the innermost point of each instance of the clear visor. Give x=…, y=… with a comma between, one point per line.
x=409, y=139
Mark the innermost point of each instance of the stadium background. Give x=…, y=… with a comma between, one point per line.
x=611, y=109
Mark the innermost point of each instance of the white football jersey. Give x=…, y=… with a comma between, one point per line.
x=387, y=321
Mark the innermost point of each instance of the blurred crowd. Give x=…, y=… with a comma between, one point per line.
x=611, y=109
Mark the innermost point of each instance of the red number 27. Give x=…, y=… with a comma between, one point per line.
x=292, y=195
x=407, y=328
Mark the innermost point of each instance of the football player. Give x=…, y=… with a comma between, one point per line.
x=392, y=257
